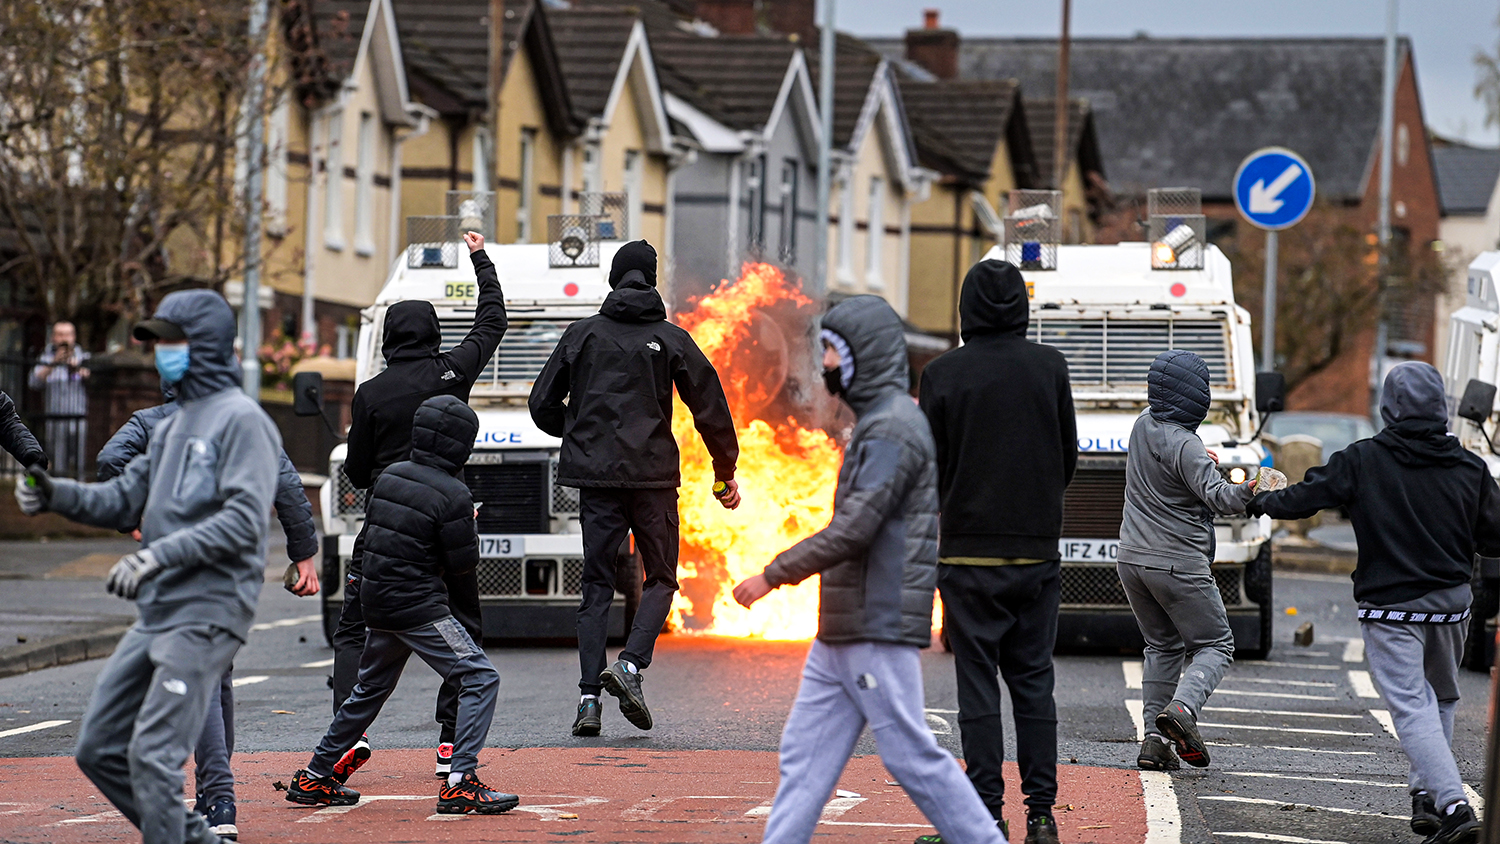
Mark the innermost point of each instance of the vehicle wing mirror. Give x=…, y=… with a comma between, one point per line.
x=1270, y=392
x=307, y=393
x=1478, y=401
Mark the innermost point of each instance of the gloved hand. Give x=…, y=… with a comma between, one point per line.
x=1256, y=505
x=130, y=572
x=34, y=490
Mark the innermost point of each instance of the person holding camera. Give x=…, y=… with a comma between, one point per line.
x=62, y=374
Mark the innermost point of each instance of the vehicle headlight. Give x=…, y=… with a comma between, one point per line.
x=1238, y=474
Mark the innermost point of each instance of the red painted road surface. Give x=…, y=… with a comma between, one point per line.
x=618, y=795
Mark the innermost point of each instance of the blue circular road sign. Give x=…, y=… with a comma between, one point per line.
x=1273, y=188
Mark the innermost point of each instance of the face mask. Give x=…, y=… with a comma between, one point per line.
x=833, y=379
x=171, y=362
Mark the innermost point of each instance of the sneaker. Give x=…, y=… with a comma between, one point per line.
x=1040, y=828
x=1425, y=819
x=471, y=795
x=588, y=721
x=1156, y=755
x=1178, y=723
x=445, y=759
x=1458, y=826
x=625, y=684
x=319, y=791
x=938, y=839
x=220, y=817
x=354, y=759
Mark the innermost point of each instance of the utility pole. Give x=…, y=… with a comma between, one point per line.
x=496, y=79
x=1268, y=314
x=1060, y=115
x=255, y=154
x=1387, y=131
x=827, y=45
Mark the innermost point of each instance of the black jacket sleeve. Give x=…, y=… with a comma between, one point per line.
x=699, y=386
x=458, y=538
x=127, y=443
x=1487, y=530
x=478, y=346
x=359, y=457
x=1068, y=422
x=548, y=409
x=1325, y=487
x=930, y=400
x=16, y=438
x=295, y=513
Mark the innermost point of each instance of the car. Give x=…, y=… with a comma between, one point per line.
x=1336, y=430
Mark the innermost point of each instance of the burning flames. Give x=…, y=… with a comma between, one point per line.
x=787, y=471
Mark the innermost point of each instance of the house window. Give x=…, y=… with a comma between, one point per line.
x=276, y=168
x=634, y=179
x=527, y=185
x=789, y=212
x=755, y=188
x=875, y=237
x=479, y=156
x=1403, y=144
x=593, y=180
x=333, y=183
x=846, y=230
x=364, y=187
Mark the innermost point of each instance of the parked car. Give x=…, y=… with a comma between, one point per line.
x=1336, y=430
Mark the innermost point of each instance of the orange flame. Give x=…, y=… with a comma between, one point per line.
x=787, y=472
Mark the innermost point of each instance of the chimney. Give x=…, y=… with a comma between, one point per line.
x=933, y=47
x=791, y=17
x=730, y=17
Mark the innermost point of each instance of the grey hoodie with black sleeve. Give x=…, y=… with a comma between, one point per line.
x=878, y=555
x=1173, y=489
x=202, y=492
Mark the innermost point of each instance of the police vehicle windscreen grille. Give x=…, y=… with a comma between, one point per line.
x=524, y=349
x=1094, y=503
x=1118, y=352
x=512, y=497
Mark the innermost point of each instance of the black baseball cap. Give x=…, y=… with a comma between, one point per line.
x=158, y=329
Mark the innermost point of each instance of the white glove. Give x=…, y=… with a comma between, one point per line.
x=29, y=498
x=130, y=572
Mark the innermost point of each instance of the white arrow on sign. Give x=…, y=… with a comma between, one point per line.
x=1263, y=197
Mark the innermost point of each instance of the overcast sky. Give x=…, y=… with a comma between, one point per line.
x=1445, y=33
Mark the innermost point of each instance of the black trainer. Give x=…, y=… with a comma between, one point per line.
x=1156, y=755
x=1425, y=819
x=471, y=795
x=588, y=721
x=1177, y=723
x=319, y=791
x=626, y=685
x=934, y=838
x=1458, y=826
x=220, y=818
x=1041, y=828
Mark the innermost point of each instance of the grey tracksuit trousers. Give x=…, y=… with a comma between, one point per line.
x=447, y=648
x=845, y=687
x=145, y=717
x=1182, y=618
x=213, y=778
x=1416, y=668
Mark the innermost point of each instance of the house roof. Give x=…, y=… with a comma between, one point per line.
x=957, y=125
x=591, y=42
x=1187, y=111
x=1041, y=118
x=323, y=38
x=855, y=63
x=1466, y=178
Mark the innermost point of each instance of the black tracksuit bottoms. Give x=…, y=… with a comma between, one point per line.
x=1005, y=618
x=606, y=516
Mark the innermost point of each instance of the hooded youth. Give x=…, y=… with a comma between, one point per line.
x=203, y=491
x=1421, y=505
x=1001, y=411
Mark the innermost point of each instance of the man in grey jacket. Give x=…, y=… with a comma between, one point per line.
x=202, y=495
x=878, y=560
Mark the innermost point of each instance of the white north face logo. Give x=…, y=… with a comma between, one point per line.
x=449, y=375
x=654, y=346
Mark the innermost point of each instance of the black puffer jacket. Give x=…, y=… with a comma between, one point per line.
x=616, y=371
x=16, y=438
x=416, y=370
x=878, y=555
x=419, y=525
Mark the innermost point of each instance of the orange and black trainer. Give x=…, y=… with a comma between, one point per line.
x=352, y=760
x=471, y=795
x=319, y=791
x=1178, y=723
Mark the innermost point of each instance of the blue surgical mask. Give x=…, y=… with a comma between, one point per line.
x=172, y=362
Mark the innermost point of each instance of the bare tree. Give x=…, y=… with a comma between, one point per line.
x=1487, y=82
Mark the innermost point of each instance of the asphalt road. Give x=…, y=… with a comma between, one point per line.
x=1299, y=743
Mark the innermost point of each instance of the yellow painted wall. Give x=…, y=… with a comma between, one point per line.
x=424, y=193
x=522, y=108
x=870, y=161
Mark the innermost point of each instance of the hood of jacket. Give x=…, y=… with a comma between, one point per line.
x=411, y=331
x=209, y=324
x=637, y=256
x=167, y=391
x=1414, y=405
x=442, y=433
x=877, y=339
x=634, y=301
x=1177, y=388
x=993, y=301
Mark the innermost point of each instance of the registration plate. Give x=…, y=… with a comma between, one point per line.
x=1088, y=550
x=492, y=546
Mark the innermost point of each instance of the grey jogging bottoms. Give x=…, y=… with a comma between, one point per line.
x=1415, y=667
x=1182, y=618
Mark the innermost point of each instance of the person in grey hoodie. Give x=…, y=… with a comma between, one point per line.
x=1173, y=490
x=878, y=561
x=202, y=495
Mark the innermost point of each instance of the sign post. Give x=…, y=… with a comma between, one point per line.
x=1273, y=190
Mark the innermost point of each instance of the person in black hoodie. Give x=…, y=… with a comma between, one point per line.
x=1421, y=507
x=607, y=391
x=16, y=438
x=380, y=434
x=1001, y=411
x=420, y=527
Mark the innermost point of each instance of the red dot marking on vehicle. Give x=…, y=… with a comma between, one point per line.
x=570, y=289
x=1179, y=289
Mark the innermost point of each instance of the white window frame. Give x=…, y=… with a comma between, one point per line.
x=333, y=183
x=875, y=235
x=791, y=179
x=479, y=159
x=364, y=187
x=593, y=178
x=526, y=185
x=277, y=136
x=846, y=230
x=635, y=172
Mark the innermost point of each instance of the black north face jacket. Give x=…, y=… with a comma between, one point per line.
x=617, y=369
x=419, y=525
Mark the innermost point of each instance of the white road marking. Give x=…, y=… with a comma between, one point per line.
x=928, y=709
x=1315, y=779
x=1315, y=666
x=328, y=812
x=1132, y=669
x=1267, y=836
x=1363, y=685
x=249, y=681
x=1311, y=683
x=317, y=663
x=1304, y=730
x=939, y=725
x=1137, y=710
x=1293, y=749
x=290, y=622
x=1475, y=801
x=1384, y=717
x=1282, y=712
x=1261, y=801
x=1163, y=820
x=1310, y=653
x=1279, y=695
x=1354, y=650
x=560, y=802
x=31, y=728
x=101, y=817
